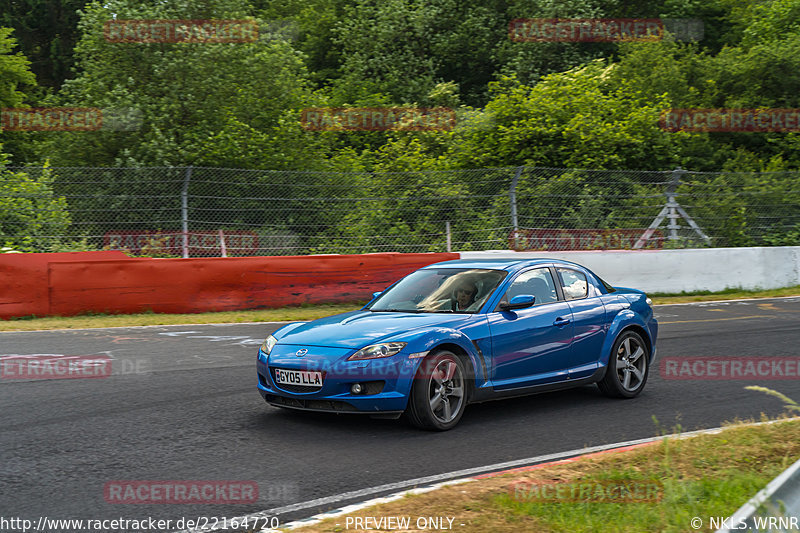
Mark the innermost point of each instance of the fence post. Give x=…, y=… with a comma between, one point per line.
x=449, y=239
x=185, y=211
x=672, y=205
x=512, y=198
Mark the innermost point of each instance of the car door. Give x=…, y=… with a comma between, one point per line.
x=588, y=319
x=531, y=346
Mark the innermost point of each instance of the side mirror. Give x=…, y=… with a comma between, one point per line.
x=521, y=301
x=376, y=294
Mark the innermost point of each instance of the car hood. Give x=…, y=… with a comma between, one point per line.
x=361, y=328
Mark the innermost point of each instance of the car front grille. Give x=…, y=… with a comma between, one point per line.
x=312, y=405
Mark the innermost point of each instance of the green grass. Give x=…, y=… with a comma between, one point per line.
x=305, y=312
x=101, y=320
x=727, y=294
x=703, y=476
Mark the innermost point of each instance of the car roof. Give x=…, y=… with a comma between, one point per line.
x=511, y=265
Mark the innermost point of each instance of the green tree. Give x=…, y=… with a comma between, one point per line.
x=233, y=104
x=47, y=31
x=16, y=81
x=14, y=71
x=403, y=48
x=32, y=217
x=580, y=118
x=760, y=70
x=310, y=24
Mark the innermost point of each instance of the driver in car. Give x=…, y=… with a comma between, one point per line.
x=464, y=296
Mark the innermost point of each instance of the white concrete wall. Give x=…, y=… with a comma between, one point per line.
x=711, y=269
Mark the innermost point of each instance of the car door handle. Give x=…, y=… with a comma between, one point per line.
x=561, y=321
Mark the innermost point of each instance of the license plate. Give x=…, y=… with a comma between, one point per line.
x=301, y=378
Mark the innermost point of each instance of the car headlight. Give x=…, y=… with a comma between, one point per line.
x=649, y=301
x=268, y=344
x=377, y=351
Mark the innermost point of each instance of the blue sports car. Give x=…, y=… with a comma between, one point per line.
x=464, y=331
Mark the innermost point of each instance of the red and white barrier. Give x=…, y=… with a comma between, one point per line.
x=74, y=283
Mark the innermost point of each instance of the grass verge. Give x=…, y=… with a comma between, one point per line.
x=727, y=294
x=696, y=478
x=156, y=319
x=306, y=312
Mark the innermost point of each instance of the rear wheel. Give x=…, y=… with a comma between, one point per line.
x=439, y=393
x=628, y=367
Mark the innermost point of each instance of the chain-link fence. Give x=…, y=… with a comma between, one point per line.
x=194, y=211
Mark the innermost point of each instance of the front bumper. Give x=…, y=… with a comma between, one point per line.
x=386, y=382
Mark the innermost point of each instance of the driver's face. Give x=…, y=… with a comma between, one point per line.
x=464, y=296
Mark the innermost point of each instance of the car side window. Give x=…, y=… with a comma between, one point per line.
x=537, y=282
x=573, y=283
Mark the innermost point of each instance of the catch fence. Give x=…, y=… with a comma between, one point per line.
x=201, y=211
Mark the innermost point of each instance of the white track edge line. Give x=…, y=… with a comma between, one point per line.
x=725, y=301
x=290, y=321
x=460, y=475
x=156, y=326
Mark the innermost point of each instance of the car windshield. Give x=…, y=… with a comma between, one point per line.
x=440, y=290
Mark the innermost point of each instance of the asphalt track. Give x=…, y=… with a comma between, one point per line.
x=181, y=404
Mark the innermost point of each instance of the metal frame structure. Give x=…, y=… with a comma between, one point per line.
x=672, y=210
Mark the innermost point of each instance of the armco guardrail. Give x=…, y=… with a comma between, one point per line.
x=70, y=284
x=697, y=269
x=774, y=508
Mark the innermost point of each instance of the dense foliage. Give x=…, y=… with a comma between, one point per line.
x=548, y=104
x=585, y=104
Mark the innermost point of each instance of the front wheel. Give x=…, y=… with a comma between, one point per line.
x=438, y=395
x=627, y=368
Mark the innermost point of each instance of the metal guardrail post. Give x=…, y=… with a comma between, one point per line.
x=512, y=198
x=185, y=211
